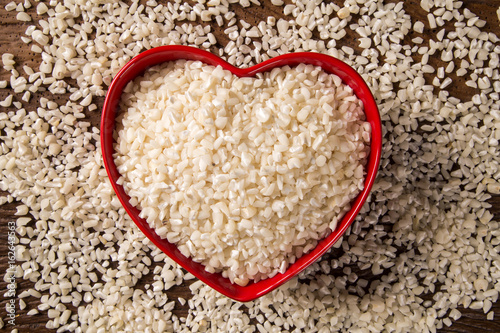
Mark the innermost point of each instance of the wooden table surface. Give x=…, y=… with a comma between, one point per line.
x=10, y=32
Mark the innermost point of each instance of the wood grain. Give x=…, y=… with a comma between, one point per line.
x=12, y=30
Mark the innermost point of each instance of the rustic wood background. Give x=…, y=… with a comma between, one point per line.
x=10, y=32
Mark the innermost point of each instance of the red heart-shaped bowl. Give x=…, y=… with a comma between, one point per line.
x=143, y=61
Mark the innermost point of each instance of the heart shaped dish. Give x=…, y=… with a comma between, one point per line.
x=137, y=67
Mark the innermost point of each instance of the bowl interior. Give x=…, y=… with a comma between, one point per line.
x=158, y=55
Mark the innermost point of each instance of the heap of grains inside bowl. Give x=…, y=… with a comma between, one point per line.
x=424, y=250
x=243, y=174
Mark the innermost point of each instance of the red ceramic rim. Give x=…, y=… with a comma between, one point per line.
x=161, y=54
